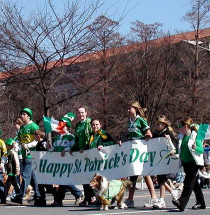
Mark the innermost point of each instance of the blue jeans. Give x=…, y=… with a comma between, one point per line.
x=25, y=171
x=35, y=185
x=28, y=176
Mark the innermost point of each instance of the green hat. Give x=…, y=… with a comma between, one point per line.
x=9, y=141
x=68, y=118
x=28, y=111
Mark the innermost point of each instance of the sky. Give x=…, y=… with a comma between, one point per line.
x=167, y=12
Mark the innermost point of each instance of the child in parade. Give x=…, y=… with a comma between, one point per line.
x=12, y=166
x=27, y=143
x=83, y=132
x=163, y=129
x=138, y=128
x=3, y=160
x=63, y=144
x=191, y=157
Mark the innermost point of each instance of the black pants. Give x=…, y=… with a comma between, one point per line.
x=191, y=184
x=88, y=192
x=60, y=193
x=162, y=179
x=12, y=180
x=133, y=179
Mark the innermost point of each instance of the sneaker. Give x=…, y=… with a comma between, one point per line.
x=150, y=203
x=113, y=201
x=198, y=206
x=40, y=202
x=78, y=200
x=160, y=204
x=17, y=199
x=178, y=204
x=57, y=204
x=175, y=194
x=84, y=203
x=129, y=203
x=8, y=198
x=31, y=201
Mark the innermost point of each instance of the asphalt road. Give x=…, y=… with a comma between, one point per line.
x=141, y=197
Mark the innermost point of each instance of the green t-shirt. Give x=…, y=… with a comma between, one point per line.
x=101, y=138
x=63, y=142
x=82, y=135
x=137, y=128
x=26, y=135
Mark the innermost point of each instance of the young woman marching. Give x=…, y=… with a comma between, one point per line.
x=138, y=128
x=191, y=156
x=99, y=138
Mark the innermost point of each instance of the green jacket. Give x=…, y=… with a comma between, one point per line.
x=100, y=138
x=187, y=154
x=83, y=131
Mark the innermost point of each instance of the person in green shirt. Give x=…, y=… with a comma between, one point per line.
x=191, y=156
x=82, y=134
x=63, y=144
x=82, y=131
x=138, y=128
x=99, y=138
x=27, y=143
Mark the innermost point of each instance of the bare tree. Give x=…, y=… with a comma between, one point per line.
x=42, y=44
x=103, y=32
x=198, y=17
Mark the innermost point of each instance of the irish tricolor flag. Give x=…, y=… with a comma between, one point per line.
x=203, y=132
x=51, y=124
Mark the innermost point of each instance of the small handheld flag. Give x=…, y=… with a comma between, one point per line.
x=51, y=124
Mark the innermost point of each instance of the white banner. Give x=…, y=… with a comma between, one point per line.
x=137, y=157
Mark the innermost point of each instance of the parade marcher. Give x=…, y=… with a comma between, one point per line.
x=99, y=138
x=41, y=146
x=83, y=132
x=138, y=128
x=12, y=167
x=17, y=124
x=63, y=144
x=191, y=157
x=27, y=143
x=163, y=129
x=3, y=160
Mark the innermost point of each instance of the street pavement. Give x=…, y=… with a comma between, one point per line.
x=141, y=197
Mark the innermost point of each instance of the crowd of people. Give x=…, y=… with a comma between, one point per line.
x=16, y=159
